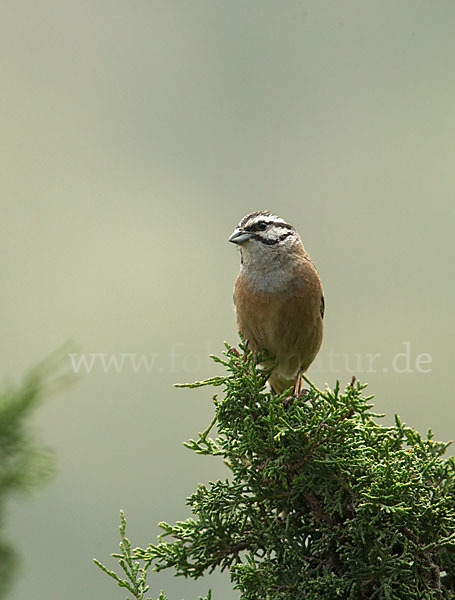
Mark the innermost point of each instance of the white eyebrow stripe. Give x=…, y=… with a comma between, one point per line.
x=269, y=220
x=274, y=222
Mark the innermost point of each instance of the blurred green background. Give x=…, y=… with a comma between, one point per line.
x=134, y=136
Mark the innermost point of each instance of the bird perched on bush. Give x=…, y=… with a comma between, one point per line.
x=278, y=296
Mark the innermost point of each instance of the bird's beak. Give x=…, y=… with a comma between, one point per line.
x=239, y=236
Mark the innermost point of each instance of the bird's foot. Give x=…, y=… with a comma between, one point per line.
x=299, y=390
x=245, y=353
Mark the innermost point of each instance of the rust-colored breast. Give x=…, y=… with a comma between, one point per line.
x=287, y=323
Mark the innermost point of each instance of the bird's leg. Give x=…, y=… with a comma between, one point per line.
x=298, y=389
x=298, y=384
x=245, y=353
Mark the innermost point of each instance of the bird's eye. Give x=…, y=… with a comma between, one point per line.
x=261, y=226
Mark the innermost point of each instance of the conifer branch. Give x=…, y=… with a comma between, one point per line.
x=322, y=501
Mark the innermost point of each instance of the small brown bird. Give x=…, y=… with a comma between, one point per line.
x=278, y=296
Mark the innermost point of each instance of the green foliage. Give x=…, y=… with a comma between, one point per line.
x=136, y=574
x=23, y=465
x=322, y=502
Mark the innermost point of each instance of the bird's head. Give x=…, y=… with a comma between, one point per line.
x=262, y=235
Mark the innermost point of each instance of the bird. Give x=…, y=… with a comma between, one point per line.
x=278, y=297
